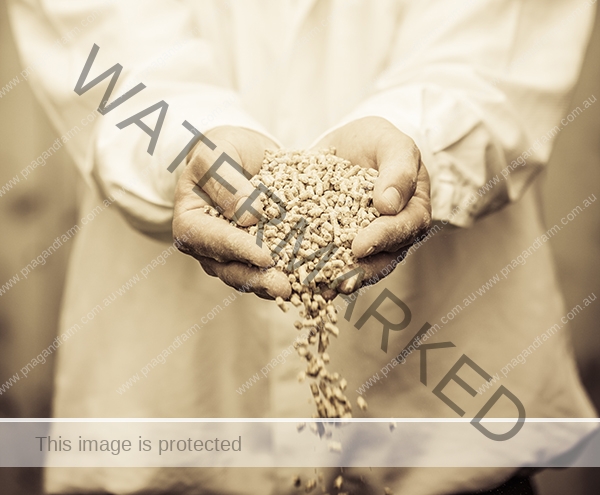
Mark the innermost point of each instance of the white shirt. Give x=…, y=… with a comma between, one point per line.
x=479, y=85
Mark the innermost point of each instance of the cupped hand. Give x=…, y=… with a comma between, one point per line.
x=223, y=250
x=401, y=195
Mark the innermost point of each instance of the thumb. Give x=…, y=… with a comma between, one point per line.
x=221, y=176
x=398, y=164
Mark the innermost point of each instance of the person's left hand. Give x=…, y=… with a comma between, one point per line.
x=401, y=194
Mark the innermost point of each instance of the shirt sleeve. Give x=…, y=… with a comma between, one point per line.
x=158, y=43
x=481, y=87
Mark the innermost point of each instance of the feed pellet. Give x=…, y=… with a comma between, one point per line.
x=314, y=203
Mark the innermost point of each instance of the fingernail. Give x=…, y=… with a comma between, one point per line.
x=369, y=251
x=243, y=214
x=392, y=197
x=351, y=283
x=267, y=260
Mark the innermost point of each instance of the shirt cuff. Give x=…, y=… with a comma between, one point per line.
x=455, y=145
x=139, y=184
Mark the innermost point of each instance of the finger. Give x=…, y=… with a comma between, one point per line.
x=389, y=233
x=350, y=278
x=222, y=175
x=201, y=235
x=327, y=292
x=372, y=270
x=398, y=161
x=269, y=283
x=206, y=267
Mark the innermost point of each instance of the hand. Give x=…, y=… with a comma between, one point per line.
x=223, y=250
x=401, y=193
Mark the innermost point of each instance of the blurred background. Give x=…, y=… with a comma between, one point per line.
x=44, y=206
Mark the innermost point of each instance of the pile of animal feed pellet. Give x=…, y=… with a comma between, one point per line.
x=332, y=200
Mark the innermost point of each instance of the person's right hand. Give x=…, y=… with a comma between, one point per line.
x=223, y=250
